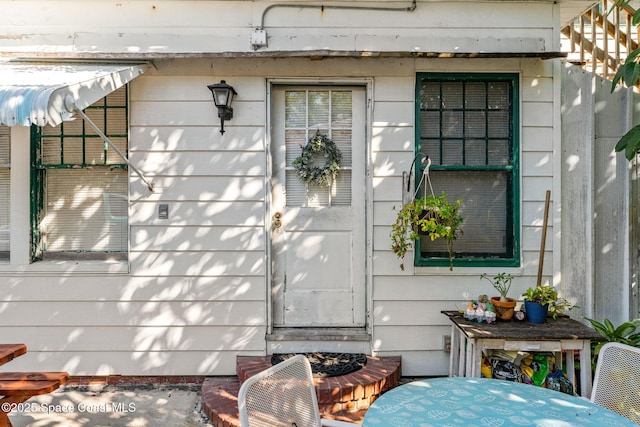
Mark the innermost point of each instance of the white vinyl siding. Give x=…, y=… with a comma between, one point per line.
x=210, y=253
x=194, y=297
x=195, y=294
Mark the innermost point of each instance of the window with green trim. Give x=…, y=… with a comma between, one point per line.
x=468, y=126
x=80, y=185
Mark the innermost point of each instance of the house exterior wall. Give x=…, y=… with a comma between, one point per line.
x=194, y=293
x=407, y=304
x=133, y=28
x=600, y=202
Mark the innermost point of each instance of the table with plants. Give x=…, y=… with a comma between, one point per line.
x=535, y=349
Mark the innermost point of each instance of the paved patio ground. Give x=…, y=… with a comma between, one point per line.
x=113, y=406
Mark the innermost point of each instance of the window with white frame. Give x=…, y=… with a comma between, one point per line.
x=468, y=126
x=80, y=185
x=5, y=204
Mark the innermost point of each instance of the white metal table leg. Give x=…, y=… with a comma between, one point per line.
x=454, y=357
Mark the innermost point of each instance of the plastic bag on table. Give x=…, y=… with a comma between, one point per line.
x=536, y=368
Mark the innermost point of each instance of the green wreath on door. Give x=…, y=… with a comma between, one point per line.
x=318, y=145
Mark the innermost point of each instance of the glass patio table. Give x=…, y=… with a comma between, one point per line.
x=461, y=401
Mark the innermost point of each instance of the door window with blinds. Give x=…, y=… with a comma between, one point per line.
x=468, y=126
x=81, y=185
x=329, y=112
x=5, y=176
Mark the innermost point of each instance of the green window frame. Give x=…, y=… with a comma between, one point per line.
x=79, y=185
x=468, y=125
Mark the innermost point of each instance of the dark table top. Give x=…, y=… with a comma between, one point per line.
x=562, y=328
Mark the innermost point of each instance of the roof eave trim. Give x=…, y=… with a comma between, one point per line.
x=300, y=54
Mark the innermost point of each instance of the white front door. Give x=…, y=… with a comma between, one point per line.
x=318, y=233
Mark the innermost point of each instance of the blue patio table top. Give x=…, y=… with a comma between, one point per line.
x=484, y=402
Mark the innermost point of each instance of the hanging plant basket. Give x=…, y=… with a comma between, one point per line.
x=307, y=164
x=432, y=215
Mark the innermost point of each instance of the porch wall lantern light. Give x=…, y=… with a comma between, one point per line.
x=222, y=97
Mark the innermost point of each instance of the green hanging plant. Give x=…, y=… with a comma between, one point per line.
x=433, y=215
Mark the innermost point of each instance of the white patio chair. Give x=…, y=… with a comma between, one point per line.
x=617, y=380
x=282, y=396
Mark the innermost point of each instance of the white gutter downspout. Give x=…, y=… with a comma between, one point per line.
x=71, y=107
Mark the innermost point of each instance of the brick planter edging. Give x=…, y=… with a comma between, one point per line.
x=343, y=398
x=346, y=393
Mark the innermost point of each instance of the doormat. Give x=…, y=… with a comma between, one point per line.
x=328, y=364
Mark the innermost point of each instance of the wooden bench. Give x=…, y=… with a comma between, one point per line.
x=18, y=387
x=8, y=352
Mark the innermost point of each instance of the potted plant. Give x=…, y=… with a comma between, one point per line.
x=625, y=333
x=541, y=300
x=433, y=215
x=503, y=305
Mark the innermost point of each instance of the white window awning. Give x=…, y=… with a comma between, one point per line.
x=48, y=93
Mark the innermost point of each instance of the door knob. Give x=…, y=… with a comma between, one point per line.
x=276, y=220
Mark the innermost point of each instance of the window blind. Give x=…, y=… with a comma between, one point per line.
x=329, y=112
x=467, y=128
x=5, y=176
x=86, y=210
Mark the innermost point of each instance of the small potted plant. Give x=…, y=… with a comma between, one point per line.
x=433, y=215
x=541, y=300
x=503, y=305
